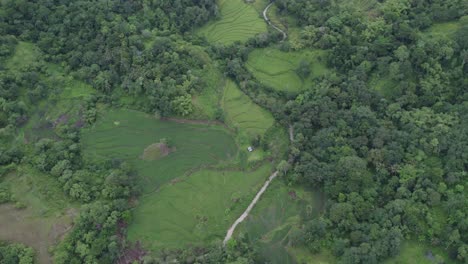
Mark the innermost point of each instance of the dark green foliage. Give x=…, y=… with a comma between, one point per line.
x=16, y=253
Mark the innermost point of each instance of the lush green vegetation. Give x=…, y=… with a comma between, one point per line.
x=238, y=22
x=286, y=71
x=373, y=92
x=195, y=210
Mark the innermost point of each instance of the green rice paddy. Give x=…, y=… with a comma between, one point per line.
x=239, y=21
x=242, y=113
x=197, y=210
x=277, y=69
x=124, y=135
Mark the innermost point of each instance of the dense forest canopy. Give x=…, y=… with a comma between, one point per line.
x=384, y=136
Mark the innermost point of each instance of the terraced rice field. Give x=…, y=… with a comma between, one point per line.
x=125, y=134
x=277, y=69
x=239, y=22
x=243, y=113
x=196, y=210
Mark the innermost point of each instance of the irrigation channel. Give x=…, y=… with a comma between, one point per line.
x=257, y=197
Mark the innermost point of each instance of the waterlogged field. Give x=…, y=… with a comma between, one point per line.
x=242, y=113
x=196, y=210
x=238, y=21
x=125, y=134
x=277, y=69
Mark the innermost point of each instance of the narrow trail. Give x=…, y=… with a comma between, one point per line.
x=251, y=205
x=265, y=16
x=257, y=197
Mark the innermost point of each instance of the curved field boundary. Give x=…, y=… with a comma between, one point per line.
x=239, y=22
x=243, y=114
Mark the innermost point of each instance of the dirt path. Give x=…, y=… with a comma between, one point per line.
x=257, y=197
x=249, y=208
x=265, y=16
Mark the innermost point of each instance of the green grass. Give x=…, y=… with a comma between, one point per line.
x=277, y=69
x=243, y=114
x=25, y=54
x=124, y=134
x=275, y=216
x=446, y=29
x=197, y=210
x=414, y=252
x=302, y=255
x=239, y=22
x=47, y=216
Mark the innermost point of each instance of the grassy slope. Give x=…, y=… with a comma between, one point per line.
x=239, y=22
x=197, y=210
x=277, y=69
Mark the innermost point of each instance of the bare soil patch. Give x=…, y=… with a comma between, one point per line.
x=156, y=151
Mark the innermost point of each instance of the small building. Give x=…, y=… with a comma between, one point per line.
x=250, y=149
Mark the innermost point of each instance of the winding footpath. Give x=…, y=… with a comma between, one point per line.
x=265, y=16
x=255, y=200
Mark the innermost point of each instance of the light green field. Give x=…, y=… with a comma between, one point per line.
x=414, y=252
x=277, y=69
x=239, y=22
x=446, y=29
x=274, y=217
x=242, y=113
x=25, y=54
x=47, y=215
x=124, y=134
x=197, y=210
